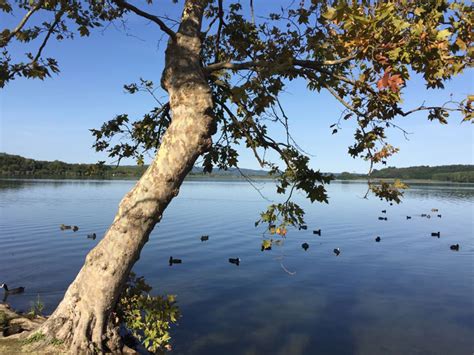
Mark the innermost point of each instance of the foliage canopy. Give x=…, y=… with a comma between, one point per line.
x=362, y=52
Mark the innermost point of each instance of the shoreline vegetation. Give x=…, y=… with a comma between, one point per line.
x=15, y=328
x=15, y=166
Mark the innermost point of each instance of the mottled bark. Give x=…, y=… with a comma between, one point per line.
x=82, y=319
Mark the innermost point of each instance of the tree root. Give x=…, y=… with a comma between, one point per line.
x=83, y=332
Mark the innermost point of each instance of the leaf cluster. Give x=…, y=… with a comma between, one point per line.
x=148, y=318
x=121, y=138
x=61, y=19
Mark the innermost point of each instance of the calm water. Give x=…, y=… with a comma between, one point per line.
x=408, y=294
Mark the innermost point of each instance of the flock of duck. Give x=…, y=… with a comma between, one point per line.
x=236, y=261
x=75, y=229
x=337, y=251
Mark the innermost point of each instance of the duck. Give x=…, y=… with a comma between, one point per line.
x=174, y=261
x=75, y=228
x=304, y=227
x=439, y=216
x=384, y=211
x=13, y=290
x=378, y=239
x=454, y=247
x=92, y=236
x=317, y=231
x=383, y=218
x=235, y=261
x=408, y=217
x=204, y=238
x=436, y=234
x=434, y=210
x=337, y=251
x=423, y=215
x=64, y=227
x=305, y=246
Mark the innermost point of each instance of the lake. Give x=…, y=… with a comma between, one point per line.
x=407, y=294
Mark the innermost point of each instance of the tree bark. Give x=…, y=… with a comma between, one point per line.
x=82, y=319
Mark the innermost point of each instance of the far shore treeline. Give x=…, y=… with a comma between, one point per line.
x=20, y=167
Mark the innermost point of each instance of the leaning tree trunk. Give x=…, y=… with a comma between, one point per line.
x=82, y=319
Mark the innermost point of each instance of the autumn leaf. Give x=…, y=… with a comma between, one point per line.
x=381, y=59
x=383, y=82
x=394, y=82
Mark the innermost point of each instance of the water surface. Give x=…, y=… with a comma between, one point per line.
x=407, y=294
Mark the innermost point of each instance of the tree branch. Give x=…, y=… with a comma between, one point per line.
x=311, y=64
x=219, y=29
x=238, y=124
x=57, y=18
x=252, y=12
x=23, y=21
x=342, y=101
x=235, y=66
x=425, y=108
x=125, y=5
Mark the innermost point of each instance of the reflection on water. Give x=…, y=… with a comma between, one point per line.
x=407, y=294
x=449, y=193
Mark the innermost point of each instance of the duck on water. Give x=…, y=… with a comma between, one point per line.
x=13, y=290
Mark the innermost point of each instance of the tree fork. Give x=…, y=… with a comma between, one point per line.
x=83, y=318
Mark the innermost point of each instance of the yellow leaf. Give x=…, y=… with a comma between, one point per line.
x=443, y=35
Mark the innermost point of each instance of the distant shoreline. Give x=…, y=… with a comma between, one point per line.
x=15, y=166
x=224, y=178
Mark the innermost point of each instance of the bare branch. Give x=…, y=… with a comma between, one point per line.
x=342, y=101
x=125, y=5
x=252, y=183
x=210, y=25
x=220, y=14
x=311, y=64
x=57, y=18
x=252, y=12
x=234, y=66
x=427, y=108
x=249, y=139
x=340, y=60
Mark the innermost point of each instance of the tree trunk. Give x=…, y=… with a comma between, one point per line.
x=82, y=319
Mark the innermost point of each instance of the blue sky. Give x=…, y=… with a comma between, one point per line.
x=51, y=119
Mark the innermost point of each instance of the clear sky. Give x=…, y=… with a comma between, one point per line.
x=51, y=119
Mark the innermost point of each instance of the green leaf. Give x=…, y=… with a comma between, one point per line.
x=267, y=243
x=330, y=13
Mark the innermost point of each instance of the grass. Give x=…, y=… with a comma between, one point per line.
x=57, y=342
x=34, y=338
x=36, y=308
